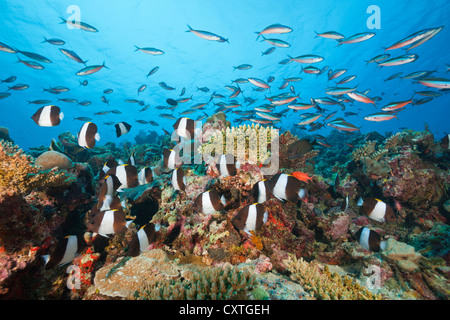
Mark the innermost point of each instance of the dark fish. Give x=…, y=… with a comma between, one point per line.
x=299, y=148
x=88, y=135
x=377, y=210
x=260, y=192
x=122, y=128
x=48, y=116
x=65, y=251
x=145, y=176
x=250, y=218
x=108, y=165
x=127, y=175
x=445, y=142
x=209, y=202
x=287, y=187
x=178, y=179
x=142, y=239
x=109, y=222
x=370, y=240
x=106, y=199
x=171, y=159
x=227, y=165
x=108, y=91
x=172, y=102
x=185, y=127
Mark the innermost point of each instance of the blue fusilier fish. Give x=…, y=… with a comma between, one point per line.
x=206, y=35
x=54, y=41
x=397, y=61
x=72, y=55
x=35, y=56
x=330, y=35
x=79, y=25
x=151, y=51
x=91, y=69
x=439, y=83
x=277, y=42
x=274, y=29
x=5, y=48
x=307, y=58
x=359, y=37
x=250, y=218
x=32, y=64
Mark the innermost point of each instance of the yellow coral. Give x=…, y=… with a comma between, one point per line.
x=366, y=150
x=245, y=138
x=18, y=175
x=324, y=284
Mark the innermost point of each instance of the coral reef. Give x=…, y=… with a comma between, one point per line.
x=305, y=249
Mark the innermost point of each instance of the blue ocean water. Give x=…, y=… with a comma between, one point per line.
x=190, y=62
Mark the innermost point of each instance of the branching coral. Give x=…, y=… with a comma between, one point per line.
x=253, y=141
x=323, y=284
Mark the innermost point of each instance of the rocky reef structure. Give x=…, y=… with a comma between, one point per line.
x=306, y=249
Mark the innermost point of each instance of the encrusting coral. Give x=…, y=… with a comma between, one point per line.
x=19, y=175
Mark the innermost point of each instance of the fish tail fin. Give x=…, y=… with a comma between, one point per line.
x=137, y=48
x=259, y=34
x=63, y=20
x=84, y=62
x=189, y=28
x=46, y=258
x=45, y=40
x=317, y=34
x=104, y=66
